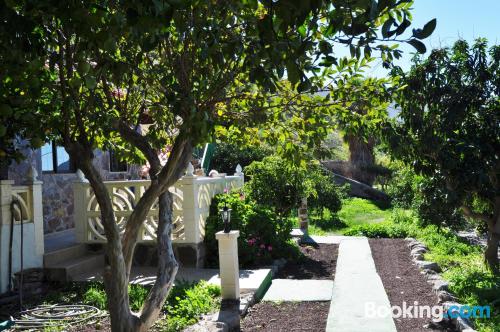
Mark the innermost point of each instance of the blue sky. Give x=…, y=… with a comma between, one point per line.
x=455, y=19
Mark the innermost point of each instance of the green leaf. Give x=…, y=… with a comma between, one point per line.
x=292, y=71
x=3, y=130
x=427, y=30
x=90, y=82
x=418, y=45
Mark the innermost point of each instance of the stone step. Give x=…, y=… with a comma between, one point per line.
x=61, y=255
x=68, y=270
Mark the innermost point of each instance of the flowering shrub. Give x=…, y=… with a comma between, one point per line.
x=262, y=236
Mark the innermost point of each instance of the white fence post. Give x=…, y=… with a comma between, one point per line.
x=80, y=187
x=190, y=209
x=37, y=210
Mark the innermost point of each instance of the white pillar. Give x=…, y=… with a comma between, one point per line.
x=36, y=201
x=190, y=209
x=80, y=201
x=228, y=264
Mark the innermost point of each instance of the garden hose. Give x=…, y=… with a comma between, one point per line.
x=14, y=203
x=52, y=316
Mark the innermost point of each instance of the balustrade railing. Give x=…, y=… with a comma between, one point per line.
x=192, y=198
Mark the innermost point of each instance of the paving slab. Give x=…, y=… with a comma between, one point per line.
x=255, y=281
x=299, y=290
x=328, y=239
x=356, y=286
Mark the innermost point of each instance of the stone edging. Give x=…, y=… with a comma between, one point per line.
x=431, y=271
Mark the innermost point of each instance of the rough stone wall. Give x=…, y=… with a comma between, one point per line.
x=19, y=171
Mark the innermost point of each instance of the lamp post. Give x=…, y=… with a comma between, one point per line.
x=226, y=218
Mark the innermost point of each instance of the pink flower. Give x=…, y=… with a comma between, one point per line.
x=269, y=248
x=251, y=242
x=262, y=246
x=225, y=191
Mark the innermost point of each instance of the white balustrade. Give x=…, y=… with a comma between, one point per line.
x=192, y=198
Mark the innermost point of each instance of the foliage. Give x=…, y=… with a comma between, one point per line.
x=378, y=230
x=184, y=305
x=187, y=303
x=437, y=205
x=448, y=129
x=228, y=155
x=403, y=185
x=263, y=236
x=326, y=195
x=278, y=184
x=89, y=73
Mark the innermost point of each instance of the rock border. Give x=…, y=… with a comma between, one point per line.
x=440, y=286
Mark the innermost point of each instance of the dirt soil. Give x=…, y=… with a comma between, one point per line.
x=318, y=263
x=286, y=316
x=403, y=282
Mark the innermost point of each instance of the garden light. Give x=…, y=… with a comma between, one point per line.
x=226, y=218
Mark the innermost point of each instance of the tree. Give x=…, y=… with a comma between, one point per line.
x=86, y=72
x=449, y=128
x=365, y=102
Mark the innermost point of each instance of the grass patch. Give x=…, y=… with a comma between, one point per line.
x=184, y=306
x=354, y=212
x=357, y=211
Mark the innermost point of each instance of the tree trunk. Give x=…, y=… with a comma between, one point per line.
x=115, y=276
x=491, y=252
x=167, y=265
x=361, y=158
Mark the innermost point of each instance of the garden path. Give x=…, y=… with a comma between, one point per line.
x=356, y=285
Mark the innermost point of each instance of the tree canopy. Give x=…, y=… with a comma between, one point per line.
x=449, y=128
x=89, y=73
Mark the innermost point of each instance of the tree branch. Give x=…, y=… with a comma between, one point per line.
x=139, y=141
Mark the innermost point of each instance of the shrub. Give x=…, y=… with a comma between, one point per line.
x=327, y=195
x=186, y=302
x=227, y=156
x=275, y=183
x=437, y=205
x=263, y=236
x=403, y=185
x=378, y=230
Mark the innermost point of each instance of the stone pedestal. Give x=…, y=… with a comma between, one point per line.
x=303, y=217
x=228, y=263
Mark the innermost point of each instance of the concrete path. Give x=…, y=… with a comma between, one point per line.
x=356, y=285
x=299, y=290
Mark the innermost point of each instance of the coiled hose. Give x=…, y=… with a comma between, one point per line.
x=52, y=316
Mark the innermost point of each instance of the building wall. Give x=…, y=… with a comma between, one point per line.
x=57, y=190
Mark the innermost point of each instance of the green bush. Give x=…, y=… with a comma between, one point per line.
x=263, y=236
x=378, y=230
x=437, y=205
x=326, y=195
x=227, y=156
x=187, y=302
x=275, y=183
x=403, y=185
